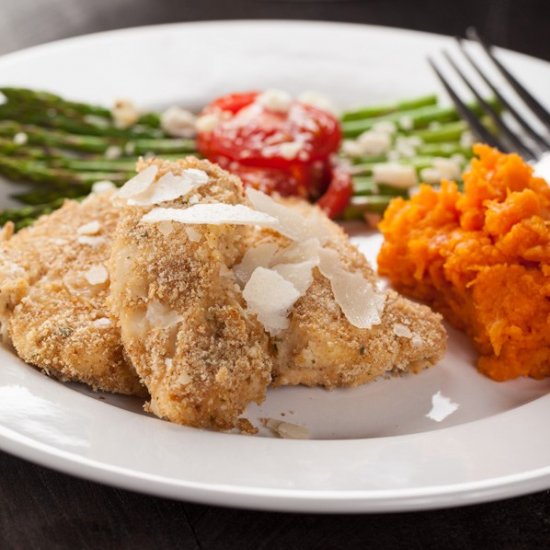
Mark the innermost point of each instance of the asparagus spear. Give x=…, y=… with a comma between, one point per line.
x=95, y=165
x=87, y=125
x=67, y=141
x=419, y=163
x=48, y=196
x=444, y=133
x=387, y=108
x=411, y=120
x=359, y=206
x=45, y=100
x=10, y=148
x=94, y=144
x=29, y=170
x=163, y=146
x=443, y=149
x=25, y=216
x=364, y=185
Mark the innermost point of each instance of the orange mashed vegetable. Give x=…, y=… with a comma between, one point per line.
x=482, y=258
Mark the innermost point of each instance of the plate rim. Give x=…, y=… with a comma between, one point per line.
x=61, y=42
x=281, y=500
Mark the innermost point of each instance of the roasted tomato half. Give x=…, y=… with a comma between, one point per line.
x=271, y=141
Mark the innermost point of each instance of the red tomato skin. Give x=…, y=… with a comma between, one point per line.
x=338, y=194
x=259, y=145
x=232, y=103
x=257, y=136
x=293, y=182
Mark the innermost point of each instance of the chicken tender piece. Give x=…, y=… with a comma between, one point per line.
x=322, y=348
x=53, y=291
x=182, y=317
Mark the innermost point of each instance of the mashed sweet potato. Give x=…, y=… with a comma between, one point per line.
x=482, y=258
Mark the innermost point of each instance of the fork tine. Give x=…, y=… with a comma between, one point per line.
x=539, y=139
x=535, y=106
x=503, y=127
x=479, y=130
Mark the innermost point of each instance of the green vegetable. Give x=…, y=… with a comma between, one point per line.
x=410, y=120
x=36, y=135
x=63, y=147
x=30, y=170
x=385, y=109
x=25, y=216
x=361, y=205
x=27, y=102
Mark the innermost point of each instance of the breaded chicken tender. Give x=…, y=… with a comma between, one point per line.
x=322, y=348
x=183, y=320
x=53, y=290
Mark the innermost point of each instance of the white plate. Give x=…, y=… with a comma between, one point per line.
x=375, y=448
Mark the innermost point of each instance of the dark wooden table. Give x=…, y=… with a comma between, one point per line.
x=40, y=508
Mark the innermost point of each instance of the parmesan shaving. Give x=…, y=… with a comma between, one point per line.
x=102, y=322
x=138, y=184
x=275, y=100
x=318, y=100
x=206, y=123
x=290, y=223
x=359, y=301
x=402, y=176
x=369, y=143
x=90, y=241
x=417, y=340
x=166, y=228
x=124, y=113
x=170, y=187
x=385, y=126
x=294, y=263
x=290, y=149
x=407, y=146
x=307, y=250
x=113, y=152
x=449, y=168
x=178, y=122
x=90, y=228
x=215, y=214
x=102, y=186
x=402, y=331
x=258, y=256
x=430, y=175
x=286, y=430
x=352, y=148
x=184, y=378
x=406, y=122
x=161, y=316
x=299, y=274
x=193, y=235
x=20, y=138
x=97, y=274
x=270, y=297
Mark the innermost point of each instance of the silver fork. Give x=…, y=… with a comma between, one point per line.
x=531, y=143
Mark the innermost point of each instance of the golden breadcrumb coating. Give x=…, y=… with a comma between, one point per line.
x=53, y=288
x=92, y=293
x=182, y=317
x=321, y=347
